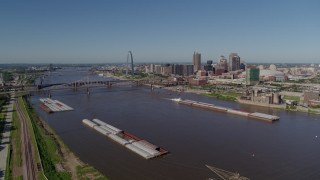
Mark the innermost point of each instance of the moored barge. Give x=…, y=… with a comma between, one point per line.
x=50, y=105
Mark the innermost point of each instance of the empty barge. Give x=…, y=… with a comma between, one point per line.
x=255, y=115
x=133, y=143
x=50, y=105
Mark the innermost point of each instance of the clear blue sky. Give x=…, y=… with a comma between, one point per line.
x=65, y=31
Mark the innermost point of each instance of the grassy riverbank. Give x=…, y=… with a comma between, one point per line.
x=293, y=98
x=223, y=96
x=58, y=161
x=32, y=136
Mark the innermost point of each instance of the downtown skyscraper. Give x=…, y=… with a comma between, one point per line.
x=223, y=63
x=196, y=61
x=234, y=62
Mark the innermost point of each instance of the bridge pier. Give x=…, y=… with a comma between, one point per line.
x=75, y=86
x=49, y=94
x=88, y=91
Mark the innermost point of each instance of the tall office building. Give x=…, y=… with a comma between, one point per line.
x=188, y=69
x=166, y=69
x=243, y=66
x=234, y=62
x=152, y=68
x=1, y=79
x=252, y=75
x=223, y=62
x=196, y=61
x=178, y=69
x=157, y=69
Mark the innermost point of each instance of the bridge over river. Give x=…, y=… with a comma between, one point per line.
x=90, y=84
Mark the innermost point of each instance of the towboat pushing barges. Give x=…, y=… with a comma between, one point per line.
x=255, y=115
x=135, y=144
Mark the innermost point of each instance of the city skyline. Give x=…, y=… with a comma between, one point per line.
x=166, y=31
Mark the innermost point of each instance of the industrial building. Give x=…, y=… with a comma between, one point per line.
x=272, y=75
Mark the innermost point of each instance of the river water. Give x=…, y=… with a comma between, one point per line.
x=288, y=149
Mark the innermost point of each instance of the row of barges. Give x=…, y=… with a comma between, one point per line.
x=133, y=143
x=50, y=105
x=255, y=115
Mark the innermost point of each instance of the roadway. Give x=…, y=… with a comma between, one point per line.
x=5, y=141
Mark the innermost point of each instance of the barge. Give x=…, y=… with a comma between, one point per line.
x=50, y=105
x=131, y=142
x=254, y=115
x=45, y=108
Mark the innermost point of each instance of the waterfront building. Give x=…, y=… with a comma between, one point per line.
x=178, y=69
x=201, y=73
x=272, y=75
x=234, y=62
x=157, y=69
x=152, y=68
x=218, y=70
x=147, y=69
x=196, y=61
x=197, y=81
x=252, y=75
x=166, y=69
x=188, y=69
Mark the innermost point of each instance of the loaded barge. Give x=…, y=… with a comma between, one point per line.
x=133, y=143
x=255, y=115
x=50, y=105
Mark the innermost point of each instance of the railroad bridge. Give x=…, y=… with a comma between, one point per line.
x=91, y=84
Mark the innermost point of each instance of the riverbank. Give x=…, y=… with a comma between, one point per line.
x=57, y=160
x=222, y=96
x=282, y=106
x=231, y=97
x=225, y=96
